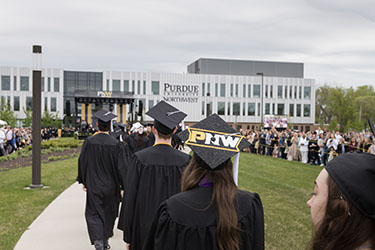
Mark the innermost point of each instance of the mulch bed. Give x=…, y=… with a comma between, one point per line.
x=27, y=161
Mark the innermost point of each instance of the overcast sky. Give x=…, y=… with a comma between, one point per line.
x=335, y=39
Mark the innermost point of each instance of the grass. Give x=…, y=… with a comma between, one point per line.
x=20, y=207
x=284, y=188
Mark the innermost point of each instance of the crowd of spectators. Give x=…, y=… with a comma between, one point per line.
x=13, y=139
x=314, y=147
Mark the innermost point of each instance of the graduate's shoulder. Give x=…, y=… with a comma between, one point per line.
x=157, y=154
x=102, y=139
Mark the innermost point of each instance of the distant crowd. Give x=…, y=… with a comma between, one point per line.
x=13, y=139
x=314, y=147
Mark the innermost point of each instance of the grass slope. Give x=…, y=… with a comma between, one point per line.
x=284, y=188
x=20, y=207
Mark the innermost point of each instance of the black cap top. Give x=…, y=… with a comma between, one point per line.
x=166, y=117
x=354, y=174
x=104, y=115
x=213, y=140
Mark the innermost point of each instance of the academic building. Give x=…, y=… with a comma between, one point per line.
x=238, y=91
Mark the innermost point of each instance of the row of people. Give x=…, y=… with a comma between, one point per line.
x=210, y=212
x=314, y=147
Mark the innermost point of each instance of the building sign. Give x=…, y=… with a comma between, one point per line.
x=181, y=93
x=105, y=94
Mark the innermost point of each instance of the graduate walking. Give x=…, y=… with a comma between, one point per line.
x=98, y=171
x=154, y=175
x=211, y=212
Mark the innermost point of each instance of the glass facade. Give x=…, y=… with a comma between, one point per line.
x=249, y=91
x=266, y=92
x=133, y=86
x=291, y=109
x=216, y=89
x=49, y=84
x=42, y=84
x=144, y=87
x=53, y=104
x=231, y=89
x=150, y=103
x=24, y=83
x=280, y=109
x=15, y=83
x=244, y=91
x=259, y=109
x=5, y=82
x=228, y=108
x=45, y=103
x=268, y=107
x=222, y=89
x=236, y=90
x=279, y=91
x=203, y=89
x=298, y=110
x=116, y=85
x=203, y=108
x=29, y=102
x=139, y=87
x=243, y=109
x=126, y=85
x=208, y=89
x=221, y=108
x=307, y=92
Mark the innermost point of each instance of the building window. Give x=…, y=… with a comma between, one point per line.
x=307, y=92
x=45, y=103
x=5, y=82
x=307, y=128
x=16, y=103
x=150, y=104
x=202, y=108
x=228, y=108
x=295, y=92
x=49, y=84
x=53, y=104
x=231, y=89
x=268, y=111
x=249, y=90
x=139, y=87
x=286, y=92
x=300, y=92
x=203, y=89
x=236, y=90
x=290, y=92
x=208, y=89
x=107, y=87
x=259, y=109
x=133, y=86
x=244, y=91
x=56, y=84
x=155, y=89
x=306, y=110
x=126, y=85
x=221, y=108
x=29, y=102
x=24, y=81
x=279, y=91
x=216, y=89
x=251, y=109
x=209, y=108
x=266, y=91
x=144, y=87
x=42, y=84
x=116, y=85
x=236, y=108
x=15, y=83
x=273, y=108
x=291, y=109
x=243, y=109
x=298, y=110
x=222, y=89
x=256, y=90
x=271, y=91
x=280, y=109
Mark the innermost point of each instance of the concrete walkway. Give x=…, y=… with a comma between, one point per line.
x=62, y=226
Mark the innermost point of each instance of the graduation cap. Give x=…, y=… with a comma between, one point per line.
x=354, y=174
x=215, y=142
x=166, y=117
x=104, y=115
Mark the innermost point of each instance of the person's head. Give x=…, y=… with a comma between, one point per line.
x=162, y=136
x=104, y=119
x=342, y=208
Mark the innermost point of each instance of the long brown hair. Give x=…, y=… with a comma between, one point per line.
x=224, y=193
x=343, y=225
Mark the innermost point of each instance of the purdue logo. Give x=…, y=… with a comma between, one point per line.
x=213, y=139
x=104, y=93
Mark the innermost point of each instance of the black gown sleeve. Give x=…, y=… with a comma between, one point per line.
x=131, y=190
x=82, y=164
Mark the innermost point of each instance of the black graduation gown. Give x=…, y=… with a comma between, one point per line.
x=187, y=221
x=98, y=170
x=153, y=176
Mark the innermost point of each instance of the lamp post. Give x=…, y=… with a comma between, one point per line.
x=261, y=100
x=36, y=126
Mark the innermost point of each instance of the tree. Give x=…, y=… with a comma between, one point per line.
x=6, y=113
x=28, y=121
x=48, y=120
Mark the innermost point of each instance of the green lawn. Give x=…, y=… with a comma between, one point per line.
x=284, y=188
x=20, y=207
